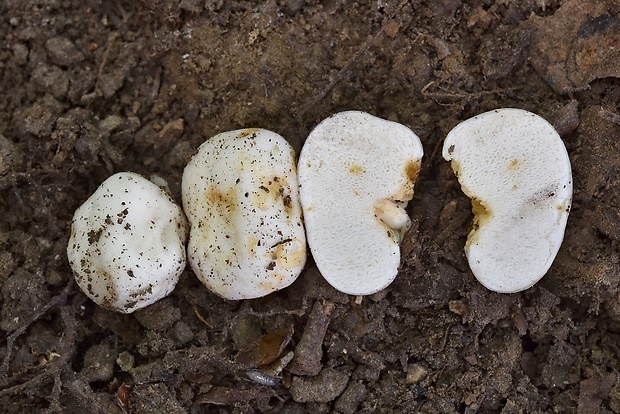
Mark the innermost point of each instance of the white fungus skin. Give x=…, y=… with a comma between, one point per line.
x=357, y=174
x=515, y=168
x=241, y=196
x=127, y=245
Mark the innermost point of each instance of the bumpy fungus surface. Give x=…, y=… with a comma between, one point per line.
x=515, y=168
x=127, y=245
x=240, y=194
x=357, y=174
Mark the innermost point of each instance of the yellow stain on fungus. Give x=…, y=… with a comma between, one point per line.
x=289, y=259
x=247, y=132
x=252, y=245
x=412, y=169
x=356, y=169
x=456, y=167
x=410, y=175
x=513, y=165
x=225, y=202
x=274, y=285
x=482, y=214
x=562, y=208
x=270, y=191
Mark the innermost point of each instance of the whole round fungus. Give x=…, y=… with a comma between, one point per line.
x=240, y=194
x=515, y=168
x=127, y=245
x=357, y=173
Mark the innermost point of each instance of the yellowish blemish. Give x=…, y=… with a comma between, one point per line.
x=274, y=285
x=513, y=165
x=272, y=190
x=562, y=208
x=456, y=167
x=222, y=199
x=287, y=259
x=482, y=214
x=356, y=169
x=412, y=170
x=410, y=173
x=252, y=245
x=247, y=132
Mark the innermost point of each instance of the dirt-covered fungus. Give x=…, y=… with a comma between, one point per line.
x=515, y=168
x=357, y=174
x=127, y=245
x=240, y=194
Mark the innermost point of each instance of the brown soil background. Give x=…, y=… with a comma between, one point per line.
x=91, y=87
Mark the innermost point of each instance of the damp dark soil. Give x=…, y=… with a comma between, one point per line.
x=90, y=88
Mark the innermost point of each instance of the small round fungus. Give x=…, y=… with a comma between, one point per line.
x=127, y=245
x=515, y=168
x=357, y=174
x=240, y=193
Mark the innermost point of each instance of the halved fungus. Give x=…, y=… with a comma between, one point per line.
x=127, y=244
x=357, y=174
x=515, y=168
x=240, y=194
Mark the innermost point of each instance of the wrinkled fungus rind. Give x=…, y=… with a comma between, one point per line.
x=241, y=197
x=127, y=244
x=357, y=173
x=515, y=168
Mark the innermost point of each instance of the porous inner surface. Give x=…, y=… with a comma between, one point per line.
x=357, y=174
x=515, y=168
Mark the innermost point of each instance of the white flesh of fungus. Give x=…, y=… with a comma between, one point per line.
x=241, y=196
x=515, y=168
x=127, y=245
x=357, y=173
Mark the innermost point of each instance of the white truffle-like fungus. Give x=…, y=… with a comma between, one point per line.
x=357, y=174
x=241, y=196
x=127, y=245
x=515, y=168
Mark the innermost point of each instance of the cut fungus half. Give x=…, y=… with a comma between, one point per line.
x=515, y=168
x=241, y=197
x=357, y=174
